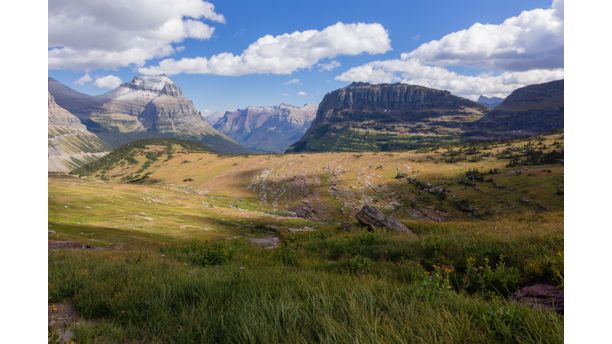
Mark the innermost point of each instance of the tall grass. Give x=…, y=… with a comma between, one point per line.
x=147, y=297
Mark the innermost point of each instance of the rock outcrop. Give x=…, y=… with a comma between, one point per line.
x=267, y=128
x=373, y=218
x=541, y=295
x=146, y=107
x=70, y=144
x=364, y=116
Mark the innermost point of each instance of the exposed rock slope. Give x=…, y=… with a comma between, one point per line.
x=267, y=128
x=70, y=143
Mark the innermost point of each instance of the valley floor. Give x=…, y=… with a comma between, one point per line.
x=164, y=245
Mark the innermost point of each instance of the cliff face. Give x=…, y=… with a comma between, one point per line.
x=146, y=107
x=167, y=114
x=400, y=98
x=363, y=116
x=70, y=144
x=267, y=128
x=528, y=110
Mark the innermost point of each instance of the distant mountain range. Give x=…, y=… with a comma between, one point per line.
x=267, y=128
x=146, y=107
x=489, y=102
x=368, y=117
x=358, y=117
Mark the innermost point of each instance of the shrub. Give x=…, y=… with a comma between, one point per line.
x=204, y=254
x=546, y=268
x=487, y=279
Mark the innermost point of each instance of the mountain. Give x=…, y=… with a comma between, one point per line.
x=529, y=110
x=146, y=107
x=77, y=103
x=489, y=102
x=267, y=128
x=70, y=144
x=375, y=117
x=212, y=117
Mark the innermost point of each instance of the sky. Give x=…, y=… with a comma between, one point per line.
x=229, y=54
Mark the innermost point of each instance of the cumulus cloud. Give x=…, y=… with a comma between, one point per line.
x=326, y=67
x=293, y=81
x=302, y=93
x=84, y=79
x=412, y=71
x=523, y=50
x=108, y=81
x=286, y=53
x=90, y=34
x=531, y=40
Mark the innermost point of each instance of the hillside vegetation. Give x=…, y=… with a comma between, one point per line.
x=189, y=246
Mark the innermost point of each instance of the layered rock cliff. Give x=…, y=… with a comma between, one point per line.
x=364, y=116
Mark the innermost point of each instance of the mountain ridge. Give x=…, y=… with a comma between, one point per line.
x=268, y=129
x=70, y=144
x=145, y=107
x=489, y=102
x=529, y=110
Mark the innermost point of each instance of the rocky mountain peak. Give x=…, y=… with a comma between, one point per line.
x=161, y=84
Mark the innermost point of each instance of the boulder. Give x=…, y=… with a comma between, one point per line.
x=373, y=218
x=541, y=295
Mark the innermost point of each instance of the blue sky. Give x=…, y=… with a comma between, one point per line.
x=409, y=24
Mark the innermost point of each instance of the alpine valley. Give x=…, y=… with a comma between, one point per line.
x=395, y=204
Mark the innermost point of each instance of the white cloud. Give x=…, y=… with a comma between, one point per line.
x=326, y=67
x=108, y=81
x=84, y=79
x=531, y=40
x=412, y=71
x=286, y=53
x=523, y=50
x=90, y=34
x=302, y=93
x=293, y=81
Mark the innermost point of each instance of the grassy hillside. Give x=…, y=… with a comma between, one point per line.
x=173, y=257
x=473, y=181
